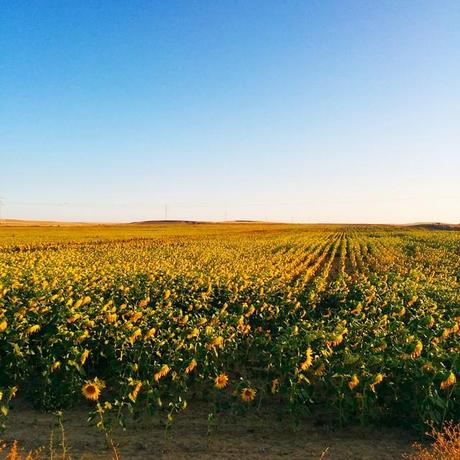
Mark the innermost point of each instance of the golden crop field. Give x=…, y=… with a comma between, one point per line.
x=359, y=322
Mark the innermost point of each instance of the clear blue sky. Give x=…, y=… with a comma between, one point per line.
x=308, y=111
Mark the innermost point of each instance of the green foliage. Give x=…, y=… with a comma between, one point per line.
x=362, y=322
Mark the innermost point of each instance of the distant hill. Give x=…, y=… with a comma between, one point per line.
x=156, y=222
x=198, y=222
x=436, y=226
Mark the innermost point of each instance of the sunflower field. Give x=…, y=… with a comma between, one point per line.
x=361, y=323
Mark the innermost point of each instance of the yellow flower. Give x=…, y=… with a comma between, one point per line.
x=134, y=336
x=418, y=349
x=248, y=394
x=191, y=366
x=275, y=385
x=194, y=333
x=221, y=381
x=184, y=320
x=73, y=318
x=83, y=337
x=335, y=340
x=250, y=311
x=84, y=357
x=111, y=317
x=320, y=370
x=91, y=391
x=378, y=379
x=3, y=325
x=308, y=361
x=55, y=365
x=353, y=382
x=450, y=381
x=143, y=303
x=133, y=395
x=86, y=300
x=150, y=333
x=78, y=303
x=135, y=316
x=161, y=373
x=167, y=294
x=218, y=342
x=33, y=329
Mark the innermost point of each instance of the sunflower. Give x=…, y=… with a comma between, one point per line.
x=191, y=366
x=248, y=394
x=83, y=337
x=135, y=316
x=33, y=329
x=319, y=371
x=308, y=361
x=111, y=317
x=195, y=333
x=84, y=357
x=221, y=381
x=451, y=380
x=162, y=373
x=218, y=342
x=134, y=336
x=353, y=382
x=91, y=391
x=418, y=350
x=150, y=333
x=378, y=379
x=55, y=365
x=133, y=395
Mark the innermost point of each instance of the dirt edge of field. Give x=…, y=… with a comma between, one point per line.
x=254, y=436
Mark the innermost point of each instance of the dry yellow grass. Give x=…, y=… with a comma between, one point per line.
x=446, y=445
x=13, y=453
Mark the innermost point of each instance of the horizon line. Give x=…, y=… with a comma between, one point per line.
x=44, y=222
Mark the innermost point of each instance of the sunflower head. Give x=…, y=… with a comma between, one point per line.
x=91, y=391
x=450, y=381
x=33, y=329
x=248, y=394
x=162, y=373
x=353, y=382
x=191, y=366
x=221, y=381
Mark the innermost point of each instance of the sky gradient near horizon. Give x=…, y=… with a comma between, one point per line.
x=304, y=111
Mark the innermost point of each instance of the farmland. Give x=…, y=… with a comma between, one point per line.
x=359, y=324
